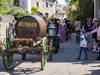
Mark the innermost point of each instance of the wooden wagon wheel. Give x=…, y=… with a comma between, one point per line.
x=44, y=53
x=7, y=57
x=8, y=60
x=7, y=43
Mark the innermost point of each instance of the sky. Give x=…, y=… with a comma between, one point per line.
x=62, y=2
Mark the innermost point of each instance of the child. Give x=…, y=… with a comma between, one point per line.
x=83, y=44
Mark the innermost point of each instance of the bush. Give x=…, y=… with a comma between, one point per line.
x=34, y=10
x=12, y=11
x=6, y=10
x=20, y=13
x=17, y=13
x=4, y=7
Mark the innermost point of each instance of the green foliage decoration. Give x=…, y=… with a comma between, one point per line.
x=17, y=12
x=34, y=10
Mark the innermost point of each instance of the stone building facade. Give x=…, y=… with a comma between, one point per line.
x=43, y=5
x=5, y=26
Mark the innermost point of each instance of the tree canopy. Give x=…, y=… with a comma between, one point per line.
x=4, y=7
x=83, y=9
x=6, y=10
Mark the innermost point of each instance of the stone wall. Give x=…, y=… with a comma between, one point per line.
x=27, y=4
x=5, y=26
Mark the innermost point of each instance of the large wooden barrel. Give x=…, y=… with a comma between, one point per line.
x=31, y=26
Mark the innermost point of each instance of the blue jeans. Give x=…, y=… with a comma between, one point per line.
x=90, y=42
x=99, y=52
x=85, y=52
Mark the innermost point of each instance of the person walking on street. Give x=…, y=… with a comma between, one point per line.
x=88, y=28
x=68, y=29
x=62, y=31
x=98, y=37
x=83, y=44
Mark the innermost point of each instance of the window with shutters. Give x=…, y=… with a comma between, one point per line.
x=37, y=4
x=47, y=5
x=51, y=4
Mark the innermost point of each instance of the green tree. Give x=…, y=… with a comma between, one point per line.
x=75, y=13
x=20, y=13
x=4, y=7
x=6, y=10
x=17, y=13
x=34, y=10
x=84, y=8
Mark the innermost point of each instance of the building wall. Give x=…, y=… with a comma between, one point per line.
x=96, y=8
x=42, y=6
x=26, y=5
x=5, y=26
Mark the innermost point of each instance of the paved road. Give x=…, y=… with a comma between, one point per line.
x=63, y=63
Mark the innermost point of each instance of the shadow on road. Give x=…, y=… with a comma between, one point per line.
x=22, y=70
x=94, y=72
x=26, y=71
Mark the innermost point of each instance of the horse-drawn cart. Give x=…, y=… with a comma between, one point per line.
x=30, y=38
